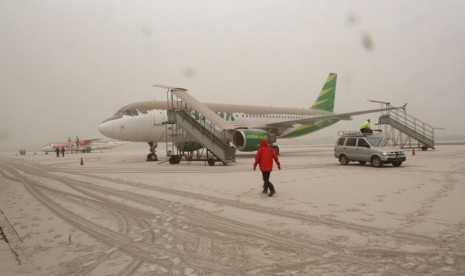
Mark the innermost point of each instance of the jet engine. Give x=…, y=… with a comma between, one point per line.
x=249, y=139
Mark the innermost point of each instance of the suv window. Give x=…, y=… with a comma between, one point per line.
x=351, y=142
x=378, y=141
x=363, y=143
x=340, y=142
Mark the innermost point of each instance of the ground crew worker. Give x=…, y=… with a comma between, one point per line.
x=57, y=151
x=264, y=158
x=366, y=127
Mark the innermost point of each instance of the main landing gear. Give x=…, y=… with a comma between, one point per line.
x=152, y=156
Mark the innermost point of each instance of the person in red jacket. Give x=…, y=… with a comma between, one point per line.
x=264, y=158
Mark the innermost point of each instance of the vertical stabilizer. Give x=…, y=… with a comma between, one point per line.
x=325, y=100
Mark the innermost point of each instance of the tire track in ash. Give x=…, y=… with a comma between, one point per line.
x=98, y=258
x=229, y=232
x=251, y=234
x=400, y=256
x=139, y=251
x=123, y=223
x=138, y=196
x=198, y=218
x=397, y=236
x=391, y=257
x=401, y=237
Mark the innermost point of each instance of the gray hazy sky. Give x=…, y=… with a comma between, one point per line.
x=67, y=65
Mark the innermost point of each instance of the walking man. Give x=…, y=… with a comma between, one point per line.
x=264, y=158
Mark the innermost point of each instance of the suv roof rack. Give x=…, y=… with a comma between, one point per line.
x=350, y=133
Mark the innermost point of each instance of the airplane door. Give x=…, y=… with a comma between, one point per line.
x=159, y=129
x=159, y=116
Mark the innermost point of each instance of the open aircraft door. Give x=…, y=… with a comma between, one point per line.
x=159, y=116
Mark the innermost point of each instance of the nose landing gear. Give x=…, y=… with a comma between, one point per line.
x=152, y=156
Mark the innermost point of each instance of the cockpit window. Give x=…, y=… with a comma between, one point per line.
x=128, y=112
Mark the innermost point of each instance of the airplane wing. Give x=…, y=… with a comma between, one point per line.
x=316, y=119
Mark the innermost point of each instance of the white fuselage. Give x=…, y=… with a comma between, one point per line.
x=143, y=122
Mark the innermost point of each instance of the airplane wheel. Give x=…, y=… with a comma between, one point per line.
x=152, y=157
x=211, y=162
x=174, y=160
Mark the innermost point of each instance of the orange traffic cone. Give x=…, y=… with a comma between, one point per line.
x=413, y=151
x=82, y=161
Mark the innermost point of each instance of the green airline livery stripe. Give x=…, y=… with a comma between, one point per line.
x=306, y=129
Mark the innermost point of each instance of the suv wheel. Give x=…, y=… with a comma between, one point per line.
x=343, y=160
x=376, y=161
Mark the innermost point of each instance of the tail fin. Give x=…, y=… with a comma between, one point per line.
x=325, y=100
x=404, y=108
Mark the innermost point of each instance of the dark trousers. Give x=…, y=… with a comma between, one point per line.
x=266, y=182
x=366, y=130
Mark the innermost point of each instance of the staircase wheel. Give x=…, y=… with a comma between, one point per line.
x=211, y=162
x=174, y=160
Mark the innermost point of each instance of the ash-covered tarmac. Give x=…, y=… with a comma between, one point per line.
x=120, y=215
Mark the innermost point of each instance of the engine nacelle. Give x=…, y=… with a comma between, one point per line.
x=249, y=139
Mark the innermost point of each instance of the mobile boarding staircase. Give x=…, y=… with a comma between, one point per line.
x=192, y=127
x=406, y=131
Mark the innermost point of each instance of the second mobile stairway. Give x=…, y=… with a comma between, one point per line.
x=194, y=122
x=406, y=130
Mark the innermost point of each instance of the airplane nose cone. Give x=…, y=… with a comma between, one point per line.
x=106, y=129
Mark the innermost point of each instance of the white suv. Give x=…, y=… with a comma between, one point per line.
x=373, y=148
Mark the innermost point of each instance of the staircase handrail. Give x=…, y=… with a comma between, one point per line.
x=412, y=123
x=208, y=129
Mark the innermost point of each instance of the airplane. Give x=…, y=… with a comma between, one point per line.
x=81, y=145
x=143, y=121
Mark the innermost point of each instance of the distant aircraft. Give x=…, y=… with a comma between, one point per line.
x=142, y=121
x=81, y=145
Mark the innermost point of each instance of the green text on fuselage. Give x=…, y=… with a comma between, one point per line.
x=228, y=116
